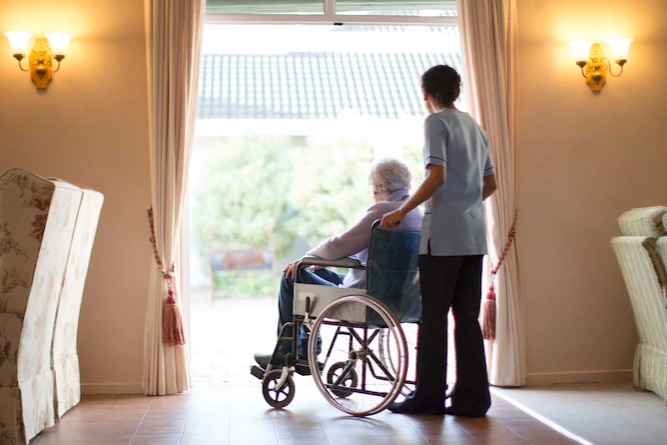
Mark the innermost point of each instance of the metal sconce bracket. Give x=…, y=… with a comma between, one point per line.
x=40, y=64
x=594, y=70
x=595, y=65
x=42, y=54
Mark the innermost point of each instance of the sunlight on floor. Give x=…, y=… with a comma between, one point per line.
x=226, y=332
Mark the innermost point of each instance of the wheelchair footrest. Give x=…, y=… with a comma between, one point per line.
x=257, y=371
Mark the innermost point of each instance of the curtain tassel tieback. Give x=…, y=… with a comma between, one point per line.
x=489, y=307
x=172, y=322
x=173, y=333
x=489, y=315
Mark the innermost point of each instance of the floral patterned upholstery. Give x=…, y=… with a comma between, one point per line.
x=38, y=218
x=64, y=354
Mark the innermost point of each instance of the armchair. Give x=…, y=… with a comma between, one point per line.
x=645, y=276
x=39, y=219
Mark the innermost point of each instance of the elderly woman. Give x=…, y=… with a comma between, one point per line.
x=390, y=182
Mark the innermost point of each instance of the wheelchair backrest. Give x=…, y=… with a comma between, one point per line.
x=392, y=272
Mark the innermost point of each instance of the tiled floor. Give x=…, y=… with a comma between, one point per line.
x=206, y=416
x=226, y=405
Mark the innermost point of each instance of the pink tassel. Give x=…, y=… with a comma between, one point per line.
x=172, y=323
x=489, y=309
x=172, y=320
x=489, y=316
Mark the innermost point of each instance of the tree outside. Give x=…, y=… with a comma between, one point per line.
x=282, y=193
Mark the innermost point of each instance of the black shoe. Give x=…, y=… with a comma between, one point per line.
x=302, y=367
x=450, y=410
x=410, y=406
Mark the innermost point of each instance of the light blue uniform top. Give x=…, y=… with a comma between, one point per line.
x=454, y=216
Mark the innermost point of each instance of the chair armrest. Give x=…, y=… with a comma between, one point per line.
x=348, y=263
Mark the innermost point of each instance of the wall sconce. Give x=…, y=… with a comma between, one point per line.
x=42, y=53
x=594, y=64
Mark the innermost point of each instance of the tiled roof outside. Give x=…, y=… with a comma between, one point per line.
x=313, y=85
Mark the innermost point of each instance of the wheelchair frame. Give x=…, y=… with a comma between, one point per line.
x=365, y=377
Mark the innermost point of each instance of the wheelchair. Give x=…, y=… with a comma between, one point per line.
x=365, y=359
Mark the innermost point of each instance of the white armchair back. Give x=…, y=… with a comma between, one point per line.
x=643, y=269
x=64, y=353
x=38, y=218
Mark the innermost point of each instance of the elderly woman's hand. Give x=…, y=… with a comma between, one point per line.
x=392, y=219
x=290, y=269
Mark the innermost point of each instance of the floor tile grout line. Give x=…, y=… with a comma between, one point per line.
x=324, y=432
x=185, y=422
x=136, y=430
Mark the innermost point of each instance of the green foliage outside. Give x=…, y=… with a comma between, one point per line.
x=244, y=283
x=283, y=193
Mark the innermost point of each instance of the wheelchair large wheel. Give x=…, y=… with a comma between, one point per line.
x=277, y=394
x=355, y=379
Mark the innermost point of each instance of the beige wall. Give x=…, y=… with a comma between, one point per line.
x=90, y=127
x=583, y=160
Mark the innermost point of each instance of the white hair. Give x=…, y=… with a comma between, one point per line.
x=389, y=175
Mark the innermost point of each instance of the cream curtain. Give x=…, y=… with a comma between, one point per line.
x=488, y=33
x=173, y=33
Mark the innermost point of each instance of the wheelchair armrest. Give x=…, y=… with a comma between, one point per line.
x=348, y=263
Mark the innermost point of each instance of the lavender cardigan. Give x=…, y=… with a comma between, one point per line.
x=355, y=240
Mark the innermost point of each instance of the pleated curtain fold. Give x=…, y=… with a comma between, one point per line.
x=488, y=36
x=173, y=35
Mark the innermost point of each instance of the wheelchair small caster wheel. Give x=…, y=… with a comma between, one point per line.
x=277, y=396
x=349, y=380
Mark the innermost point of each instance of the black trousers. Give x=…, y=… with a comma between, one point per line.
x=456, y=282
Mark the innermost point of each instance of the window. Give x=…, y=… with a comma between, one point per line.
x=423, y=8
x=291, y=112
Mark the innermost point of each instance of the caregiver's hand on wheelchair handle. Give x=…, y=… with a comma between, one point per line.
x=392, y=219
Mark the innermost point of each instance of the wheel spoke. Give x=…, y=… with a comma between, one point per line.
x=350, y=381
